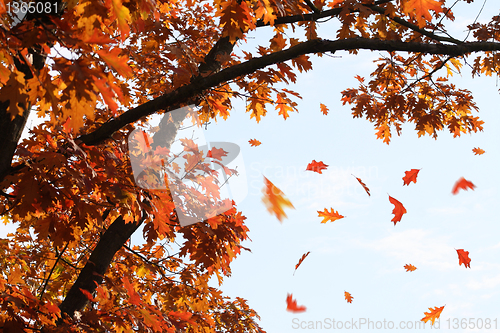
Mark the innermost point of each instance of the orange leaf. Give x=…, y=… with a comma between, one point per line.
x=410, y=268
x=118, y=63
x=323, y=108
x=398, y=210
x=217, y=153
x=291, y=305
x=123, y=16
x=463, y=258
x=410, y=176
x=419, y=9
x=316, y=166
x=87, y=294
x=254, y=143
x=301, y=260
x=433, y=314
x=478, y=151
x=348, y=297
x=362, y=184
x=332, y=216
x=134, y=297
x=275, y=200
x=462, y=184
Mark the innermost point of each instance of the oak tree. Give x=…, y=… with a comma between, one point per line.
x=95, y=70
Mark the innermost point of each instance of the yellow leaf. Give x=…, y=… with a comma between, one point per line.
x=275, y=200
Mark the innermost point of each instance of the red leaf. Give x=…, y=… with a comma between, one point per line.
x=291, y=305
x=410, y=176
x=316, y=166
x=217, y=153
x=362, y=184
x=462, y=184
x=301, y=260
x=398, y=210
x=87, y=294
x=433, y=314
x=463, y=258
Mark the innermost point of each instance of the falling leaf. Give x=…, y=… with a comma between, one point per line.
x=254, y=143
x=348, y=297
x=362, y=184
x=463, y=258
x=410, y=176
x=301, y=260
x=316, y=166
x=291, y=305
x=478, y=151
x=275, y=200
x=323, y=108
x=433, y=314
x=462, y=184
x=398, y=210
x=410, y=268
x=332, y=216
x=217, y=153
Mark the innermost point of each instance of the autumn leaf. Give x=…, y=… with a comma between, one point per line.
x=291, y=305
x=478, y=151
x=398, y=210
x=275, y=200
x=433, y=314
x=323, y=108
x=410, y=176
x=348, y=297
x=419, y=9
x=329, y=216
x=301, y=260
x=463, y=258
x=316, y=166
x=117, y=62
x=217, y=153
x=462, y=184
x=254, y=142
x=410, y=268
x=362, y=184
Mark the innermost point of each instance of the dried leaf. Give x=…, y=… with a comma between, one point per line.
x=410, y=268
x=301, y=260
x=254, y=142
x=362, y=184
x=348, y=297
x=478, y=151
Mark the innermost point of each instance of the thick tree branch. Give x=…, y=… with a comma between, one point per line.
x=200, y=83
x=111, y=241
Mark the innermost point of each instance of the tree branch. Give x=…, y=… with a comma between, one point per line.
x=200, y=83
x=95, y=268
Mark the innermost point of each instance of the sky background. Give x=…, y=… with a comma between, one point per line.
x=364, y=253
